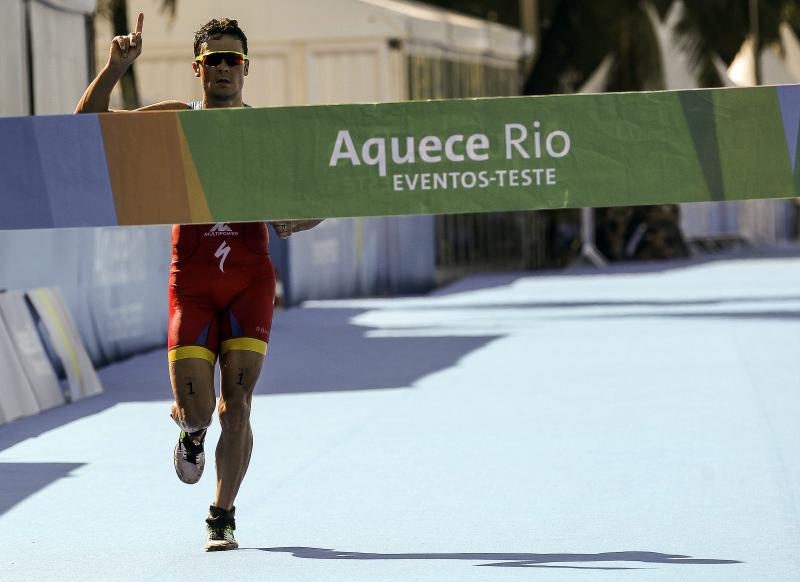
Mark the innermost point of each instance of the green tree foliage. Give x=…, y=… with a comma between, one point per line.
x=577, y=36
x=719, y=27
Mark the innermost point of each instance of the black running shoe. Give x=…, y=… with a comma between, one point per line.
x=189, y=457
x=219, y=527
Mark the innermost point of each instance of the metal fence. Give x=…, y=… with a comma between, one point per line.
x=501, y=241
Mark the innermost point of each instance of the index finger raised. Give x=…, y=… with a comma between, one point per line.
x=139, y=23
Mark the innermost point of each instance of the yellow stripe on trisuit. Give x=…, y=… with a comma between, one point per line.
x=244, y=343
x=186, y=352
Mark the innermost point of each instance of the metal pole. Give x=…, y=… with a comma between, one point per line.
x=589, y=252
x=529, y=23
x=756, y=38
x=29, y=55
x=91, y=65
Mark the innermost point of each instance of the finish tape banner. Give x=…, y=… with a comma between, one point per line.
x=478, y=155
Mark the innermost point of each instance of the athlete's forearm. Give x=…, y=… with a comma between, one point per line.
x=286, y=228
x=98, y=94
x=301, y=225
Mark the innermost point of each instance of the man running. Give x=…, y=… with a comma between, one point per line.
x=221, y=291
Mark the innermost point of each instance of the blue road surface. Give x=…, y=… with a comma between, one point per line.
x=637, y=426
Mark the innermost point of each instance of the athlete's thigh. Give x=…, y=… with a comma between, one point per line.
x=244, y=336
x=193, y=384
x=247, y=321
x=193, y=344
x=239, y=371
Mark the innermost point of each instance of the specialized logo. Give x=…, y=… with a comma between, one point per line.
x=222, y=254
x=221, y=229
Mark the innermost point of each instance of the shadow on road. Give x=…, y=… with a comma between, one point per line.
x=510, y=559
x=319, y=350
x=311, y=350
x=21, y=480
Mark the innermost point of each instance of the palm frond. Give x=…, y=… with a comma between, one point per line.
x=662, y=7
x=169, y=7
x=576, y=39
x=638, y=62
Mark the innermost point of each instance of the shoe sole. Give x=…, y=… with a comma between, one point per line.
x=181, y=476
x=222, y=547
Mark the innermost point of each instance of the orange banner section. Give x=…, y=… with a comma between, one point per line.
x=147, y=159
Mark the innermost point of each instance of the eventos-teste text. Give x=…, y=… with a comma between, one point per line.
x=520, y=143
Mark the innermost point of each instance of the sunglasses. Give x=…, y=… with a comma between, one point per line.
x=214, y=58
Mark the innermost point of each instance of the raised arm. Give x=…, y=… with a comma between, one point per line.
x=124, y=50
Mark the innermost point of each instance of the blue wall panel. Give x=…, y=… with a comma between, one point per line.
x=351, y=257
x=114, y=281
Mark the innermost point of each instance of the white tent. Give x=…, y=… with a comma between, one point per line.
x=45, y=65
x=313, y=52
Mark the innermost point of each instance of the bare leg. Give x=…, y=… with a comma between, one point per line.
x=193, y=387
x=240, y=370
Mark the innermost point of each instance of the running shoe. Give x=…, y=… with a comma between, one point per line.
x=219, y=528
x=189, y=457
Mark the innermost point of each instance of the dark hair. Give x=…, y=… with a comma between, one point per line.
x=216, y=28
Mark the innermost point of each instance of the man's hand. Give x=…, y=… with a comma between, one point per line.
x=125, y=49
x=286, y=228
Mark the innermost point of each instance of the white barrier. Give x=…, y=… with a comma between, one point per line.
x=16, y=395
x=42, y=379
x=66, y=342
x=753, y=221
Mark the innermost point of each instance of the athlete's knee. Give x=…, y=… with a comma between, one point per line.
x=234, y=413
x=192, y=419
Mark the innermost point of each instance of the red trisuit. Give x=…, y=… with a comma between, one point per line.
x=221, y=290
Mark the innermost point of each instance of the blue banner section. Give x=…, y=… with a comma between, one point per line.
x=54, y=173
x=23, y=196
x=78, y=186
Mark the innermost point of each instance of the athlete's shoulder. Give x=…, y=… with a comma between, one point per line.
x=166, y=106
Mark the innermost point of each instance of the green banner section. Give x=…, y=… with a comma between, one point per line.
x=494, y=154
x=481, y=155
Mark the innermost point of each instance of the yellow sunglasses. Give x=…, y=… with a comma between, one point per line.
x=214, y=58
